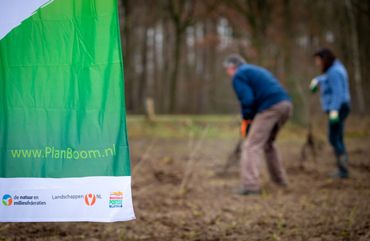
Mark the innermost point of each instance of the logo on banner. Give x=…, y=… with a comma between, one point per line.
x=116, y=200
x=90, y=199
x=7, y=200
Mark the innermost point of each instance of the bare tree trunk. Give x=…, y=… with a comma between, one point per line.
x=194, y=74
x=211, y=64
x=160, y=81
x=206, y=78
x=155, y=85
x=181, y=15
x=166, y=65
x=143, y=77
x=356, y=56
x=127, y=54
x=188, y=73
x=174, y=75
x=257, y=14
x=199, y=68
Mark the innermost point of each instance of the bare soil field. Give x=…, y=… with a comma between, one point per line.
x=178, y=194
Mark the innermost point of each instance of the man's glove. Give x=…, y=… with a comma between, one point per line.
x=333, y=116
x=245, y=127
x=314, y=85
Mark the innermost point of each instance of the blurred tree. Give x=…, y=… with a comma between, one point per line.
x=181, y=14
x=173, y=50
x=126, y=5
x=257, y=14
x=355, y=55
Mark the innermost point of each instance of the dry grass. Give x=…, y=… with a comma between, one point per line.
x=313, y=208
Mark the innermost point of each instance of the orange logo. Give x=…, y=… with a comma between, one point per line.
x=90, y=199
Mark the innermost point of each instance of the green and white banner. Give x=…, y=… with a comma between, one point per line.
x=64, y=153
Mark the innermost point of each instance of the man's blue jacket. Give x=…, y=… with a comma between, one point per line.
x=334, y=87
x=257, y=90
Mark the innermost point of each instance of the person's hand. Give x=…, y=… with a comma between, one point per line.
x=244, y=127
x=314, y=85
x=333, y=116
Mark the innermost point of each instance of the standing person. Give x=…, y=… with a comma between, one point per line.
x=265, y=108
x=335, y=101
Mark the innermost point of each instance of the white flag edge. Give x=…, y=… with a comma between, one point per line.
x=14, y=12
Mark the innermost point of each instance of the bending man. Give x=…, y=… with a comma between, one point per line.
x=266, y=107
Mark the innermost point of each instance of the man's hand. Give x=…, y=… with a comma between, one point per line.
x=245, y=127
x=314, y=85
x=333, y=116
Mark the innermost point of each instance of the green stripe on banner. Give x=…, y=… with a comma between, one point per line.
x=62, y=110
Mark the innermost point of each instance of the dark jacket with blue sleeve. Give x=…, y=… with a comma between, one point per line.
x=257, y=90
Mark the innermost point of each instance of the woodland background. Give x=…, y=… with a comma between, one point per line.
x=173, y=50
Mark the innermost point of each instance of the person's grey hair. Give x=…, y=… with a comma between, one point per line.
x=234, y=60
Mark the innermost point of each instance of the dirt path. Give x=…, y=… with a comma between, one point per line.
x=314, y=207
